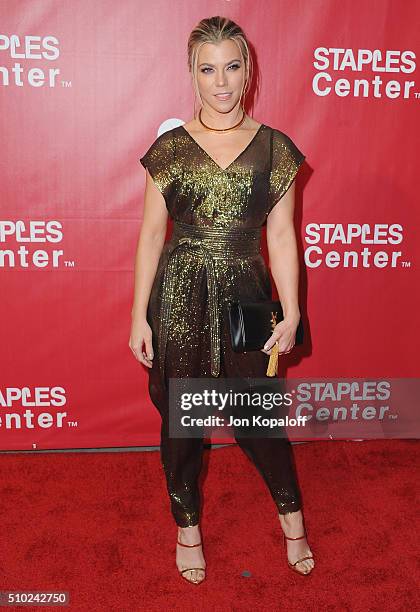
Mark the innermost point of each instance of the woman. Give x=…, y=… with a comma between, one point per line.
x=220, y=177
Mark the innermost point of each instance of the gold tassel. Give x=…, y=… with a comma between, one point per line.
x=273, y=361
x=274, y=354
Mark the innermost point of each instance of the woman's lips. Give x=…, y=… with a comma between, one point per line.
x=223, y=96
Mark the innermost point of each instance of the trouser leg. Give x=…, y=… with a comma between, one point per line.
x=273, y=458
x=181, y=457
x=181, y=460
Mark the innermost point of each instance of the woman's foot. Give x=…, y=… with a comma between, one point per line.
x=187, y=557
x=293, y=527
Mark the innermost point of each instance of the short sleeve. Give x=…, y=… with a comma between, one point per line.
x=159, y=161
x=286, y=160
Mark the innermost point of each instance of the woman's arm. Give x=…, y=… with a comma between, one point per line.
x=150, y=244
x=284, y=266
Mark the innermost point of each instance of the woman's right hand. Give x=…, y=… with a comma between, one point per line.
x=141, y=332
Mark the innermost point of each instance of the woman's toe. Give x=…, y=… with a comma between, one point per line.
x=199, y=576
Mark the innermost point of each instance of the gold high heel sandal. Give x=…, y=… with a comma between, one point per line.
x=189, y=569
x=293, y=565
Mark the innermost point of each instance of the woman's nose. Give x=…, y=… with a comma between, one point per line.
x=221, y=78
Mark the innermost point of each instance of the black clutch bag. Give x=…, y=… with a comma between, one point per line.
x=252, y=323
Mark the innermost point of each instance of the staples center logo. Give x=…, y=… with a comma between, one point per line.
x=26, y=49
x=375, y=65
x=319, y=237
x=36, y=409
x=16, y=233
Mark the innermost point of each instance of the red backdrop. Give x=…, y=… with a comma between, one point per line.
x=85, y=87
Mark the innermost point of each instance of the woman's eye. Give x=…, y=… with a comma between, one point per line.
x=207, y=68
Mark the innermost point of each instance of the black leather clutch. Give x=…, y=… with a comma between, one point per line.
x=252, y=323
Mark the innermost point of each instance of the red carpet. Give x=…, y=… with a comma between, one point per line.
x=98, y=525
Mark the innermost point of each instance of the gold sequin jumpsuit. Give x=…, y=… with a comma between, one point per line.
x=213, y=256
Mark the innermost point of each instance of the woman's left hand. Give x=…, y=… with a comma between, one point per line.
x=285, y=334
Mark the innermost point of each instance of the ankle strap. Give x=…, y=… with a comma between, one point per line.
x=300, y=538
x=189, y=545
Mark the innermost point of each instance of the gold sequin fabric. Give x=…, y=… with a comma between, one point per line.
x=232, y=204
x=212, y=256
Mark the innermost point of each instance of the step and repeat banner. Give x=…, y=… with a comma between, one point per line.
x=86, y=87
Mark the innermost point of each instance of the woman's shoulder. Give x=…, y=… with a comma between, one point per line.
x=162, y=146
x=159, y=152
x=279, y=135
x=164, y=138
x=284, y=143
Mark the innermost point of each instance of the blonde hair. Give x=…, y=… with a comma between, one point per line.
x=214, y=30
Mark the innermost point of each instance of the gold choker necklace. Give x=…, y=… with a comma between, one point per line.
x=224, y=130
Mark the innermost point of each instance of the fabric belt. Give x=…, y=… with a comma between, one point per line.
x=211, y=243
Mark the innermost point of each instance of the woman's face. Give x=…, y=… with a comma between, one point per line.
x=220, y=70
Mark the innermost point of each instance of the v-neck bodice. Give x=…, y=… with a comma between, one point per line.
x=236, y=158
x=199, y=192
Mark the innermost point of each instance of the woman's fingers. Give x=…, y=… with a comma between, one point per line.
x=149, y=348
x=135, y=351
x=141, y=334
x=283, y=347
x=147, y=355
x=144, y=356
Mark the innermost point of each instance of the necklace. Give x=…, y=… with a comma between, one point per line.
x=224, y=130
